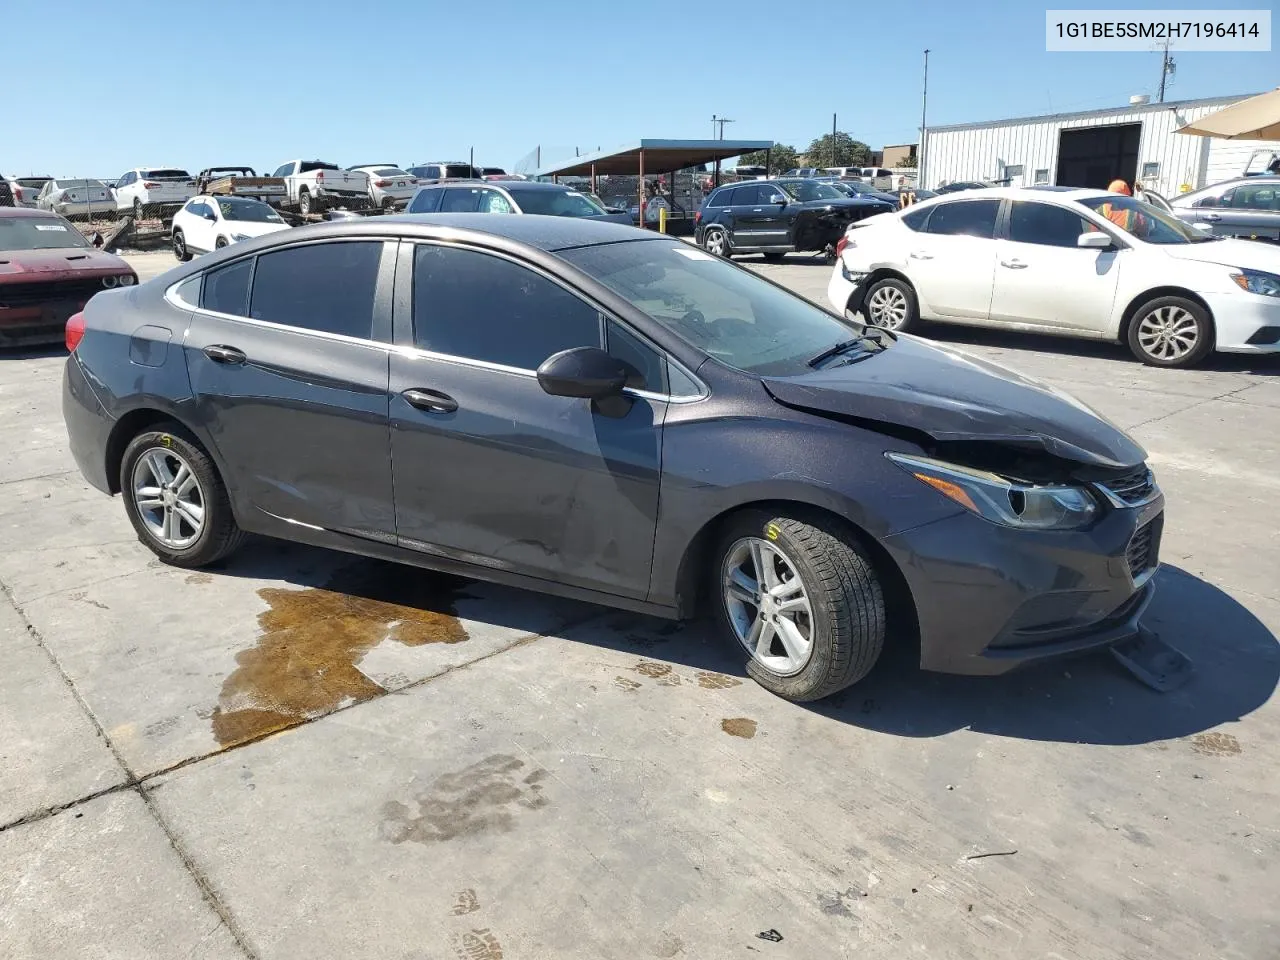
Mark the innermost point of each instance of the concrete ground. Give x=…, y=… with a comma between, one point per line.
x=304, y=755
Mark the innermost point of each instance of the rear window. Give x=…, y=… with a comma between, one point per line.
x=309, y=165
x=33, y=181
x=38, y=233
x=389, y=172
x=721, y=198
x=463, y=170
x=165, y=175
x=915, y=220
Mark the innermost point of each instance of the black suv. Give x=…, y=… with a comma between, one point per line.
x=775, y=217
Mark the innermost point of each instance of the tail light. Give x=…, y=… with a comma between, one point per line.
x=841, y=244
x=319, y=174
x=75, y=331
x=697, y=217
x=17, y=193
x=149, y=185
x=382, y=183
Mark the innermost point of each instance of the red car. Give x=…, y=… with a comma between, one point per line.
x=48, y=271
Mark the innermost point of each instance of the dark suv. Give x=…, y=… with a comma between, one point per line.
x=775, y=217
x=445, y=171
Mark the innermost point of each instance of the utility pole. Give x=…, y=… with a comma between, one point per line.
x=1167, y=67
x=721, y=121
x=833, y=139
x=924, y=108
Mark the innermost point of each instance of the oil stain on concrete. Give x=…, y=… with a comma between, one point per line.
x=477, y=945
x=306, y=663
x=484, y=797
x=739, y=727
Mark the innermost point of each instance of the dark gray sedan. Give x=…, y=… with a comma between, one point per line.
x=595, y=411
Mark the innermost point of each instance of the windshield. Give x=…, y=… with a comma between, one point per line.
x=724, y=310
x=809, y=190
x=249, y=211
x=1143, y=220
x=38, y=233
x=165, y=175
x=555, y=203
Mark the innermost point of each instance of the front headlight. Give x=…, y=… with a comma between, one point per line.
x=1255, y=281
x=239, y=237
x=992, y=497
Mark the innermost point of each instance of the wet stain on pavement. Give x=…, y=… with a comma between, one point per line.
x=716, y=681
x=197, y=578
x=305, y=664
x=1215, y=744
x=626, y=684
x=484, y=797
x=464, y=902
x=739, y=727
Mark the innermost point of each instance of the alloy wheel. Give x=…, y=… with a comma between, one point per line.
x=887, y=307
x=169, y=498
x=768, y=605
x=1168, y=333
x=716, y=243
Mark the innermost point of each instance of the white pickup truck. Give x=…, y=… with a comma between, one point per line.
x=315, y=186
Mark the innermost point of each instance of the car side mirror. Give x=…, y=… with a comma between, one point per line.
x=1094, y=240
x=586, y=372
x=779, y=199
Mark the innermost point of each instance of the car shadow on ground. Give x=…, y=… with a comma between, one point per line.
x=1084, y=699
x=40, y=352
x=1263, y=366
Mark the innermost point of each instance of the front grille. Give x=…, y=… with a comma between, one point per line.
x=1133, y=487
x=1142, y=549
x=32, y=294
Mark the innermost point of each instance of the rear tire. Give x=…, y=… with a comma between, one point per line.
x=822, y=626
x=891, y=303
x=175, y=498
x=219, y=243
x=304, y=202
x=137, y=211
x=716, y=241
x=1171, y=332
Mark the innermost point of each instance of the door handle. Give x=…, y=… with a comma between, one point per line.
x=1211, y=217
x=221, y=353
x=917, y=255
x=430, y=401
x=757, y=210
x=1014, y=264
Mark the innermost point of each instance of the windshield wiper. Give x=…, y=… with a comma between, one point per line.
x=865, y=341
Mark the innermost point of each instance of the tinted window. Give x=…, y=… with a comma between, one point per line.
x=721, y=198
x=473, y=305
x=971, y=218
x=425, y=201
x=743, y=196
x=460, y=200
x=308, y=166
x=1255, y=197
x=227, y=290
x=916, y=219
x=323, y=286
x=168, y=174
x=491, y=201
x=1045, y=224
x=188, y=291
x=554, y=203
x=646, y=363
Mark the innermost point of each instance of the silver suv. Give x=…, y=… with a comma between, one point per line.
x=1247, y=207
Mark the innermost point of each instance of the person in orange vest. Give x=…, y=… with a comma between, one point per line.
x=1126, y=218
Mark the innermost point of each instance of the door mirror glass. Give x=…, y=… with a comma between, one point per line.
x=1094, y=240
x=586, y=372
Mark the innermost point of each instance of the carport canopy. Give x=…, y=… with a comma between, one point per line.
x=652, y=156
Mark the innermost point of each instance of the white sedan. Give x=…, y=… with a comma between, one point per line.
x=388, y=184
x=209, y=223
x=1061, y=260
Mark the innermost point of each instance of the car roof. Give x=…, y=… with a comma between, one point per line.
x=544, y=233
x=500, y=184
x=1027, y=193
x=27, y=212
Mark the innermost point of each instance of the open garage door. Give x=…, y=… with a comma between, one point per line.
x=1095, y=156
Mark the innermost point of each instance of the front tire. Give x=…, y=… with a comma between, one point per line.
x=137, y=211
x=304, y=202
x=180, y=250
x=1171, y=332
x=802, y=601
x=176, y=499
x=891, y=303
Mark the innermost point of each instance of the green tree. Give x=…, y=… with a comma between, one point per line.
x=908, y=161
x=842, y=151
x=781, y=158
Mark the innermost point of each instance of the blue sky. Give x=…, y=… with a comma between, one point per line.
x=104, y=87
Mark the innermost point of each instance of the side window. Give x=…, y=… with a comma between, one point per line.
x=482, y=307
x=327, y=287
x=916, y=219
x=647, y=364
x=747, y=196
x=283, y=171
x=491, y=201
x=460, y=200
x=188, y=291
x=1253, y=198
x=1045, y=224
x=227, y=290
x=425, y=201
x=722, y=199
x=433, y=172
x=967, y=218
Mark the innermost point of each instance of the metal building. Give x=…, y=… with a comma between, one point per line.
x=1090, y=149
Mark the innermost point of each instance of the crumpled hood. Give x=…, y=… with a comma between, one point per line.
x=17, y=266
x=1229, y=252
x=954, y=396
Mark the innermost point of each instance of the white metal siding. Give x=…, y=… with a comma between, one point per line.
x=1227, y=158
x=983, y=152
